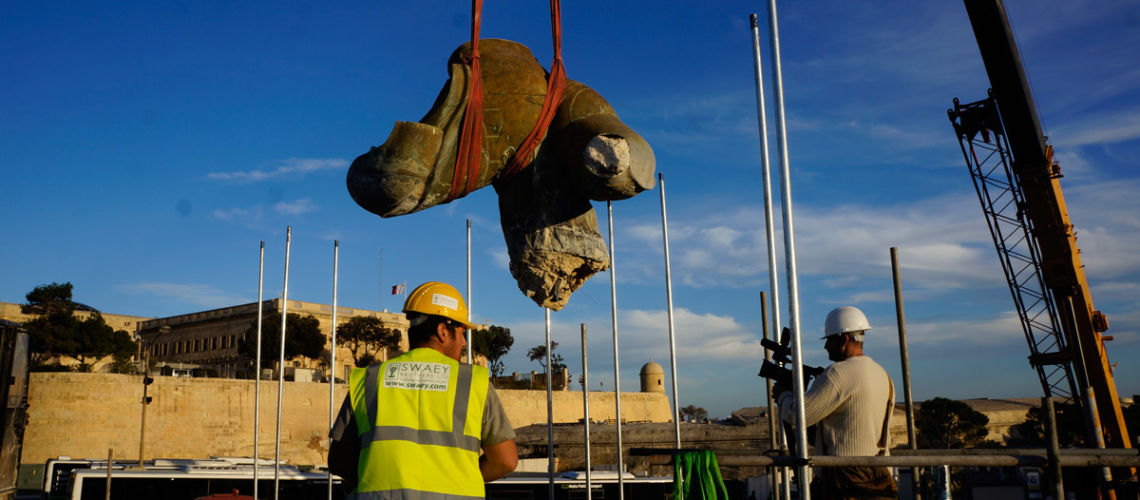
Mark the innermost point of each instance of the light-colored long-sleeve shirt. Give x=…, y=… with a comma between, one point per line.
x=851, y=402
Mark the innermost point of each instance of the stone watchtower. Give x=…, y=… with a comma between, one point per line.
x=652, y=378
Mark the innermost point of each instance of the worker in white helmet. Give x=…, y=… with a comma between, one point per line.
x=414, y=426
x=850, y=404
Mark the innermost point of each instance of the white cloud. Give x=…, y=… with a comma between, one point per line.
x=1117, y=125
x=292, y=167
x=298, y=207
x=248, y=217
x=230, y=214
x=700, y=337
x=245, y=216
x=943, y=241
x=1106, y=216
x=500, y=257
x=1004, y=328
x=943, y=244
x=200, y=295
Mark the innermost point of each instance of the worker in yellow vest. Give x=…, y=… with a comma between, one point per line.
x=413, y=426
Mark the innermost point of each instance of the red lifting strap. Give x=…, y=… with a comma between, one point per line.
x=470, y=153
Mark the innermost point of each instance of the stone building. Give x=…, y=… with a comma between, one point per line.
x=208, y=340
x=11, y=312
x=127, y=323
x=652, y=377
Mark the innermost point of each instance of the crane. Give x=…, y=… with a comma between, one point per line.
x=1018, y=185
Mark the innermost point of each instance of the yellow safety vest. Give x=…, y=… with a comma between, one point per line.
x=419, y=417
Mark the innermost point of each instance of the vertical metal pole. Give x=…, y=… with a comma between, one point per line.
x=669, y=305
x=586, y=412
x=1093, y=429
x=784, y=472
x=257, y=370
x=110, y=456
x=773, y=479
x=142, y=425
x=766, y=175
x=944, y=483
x=281, y=367
x=468, y=290
x=769, y=228
x=617, y=359
x=1054, y=451
x=789, y=252
x=904, y=355
x=332, y=349
x=900, y=317
x=549, y=410
x=380, y=277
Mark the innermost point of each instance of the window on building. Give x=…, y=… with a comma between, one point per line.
x=197, y=345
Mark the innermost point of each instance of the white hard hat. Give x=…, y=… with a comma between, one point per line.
x=846, y=319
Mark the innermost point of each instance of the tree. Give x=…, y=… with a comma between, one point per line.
x=57, y=332
x=694, y=413
x=303, y=338
x=538, y=353
x=945, y=423
x=47, y=300
x=1132, y=420
x=494, y=343
x=366, y=335
x=1031, y=432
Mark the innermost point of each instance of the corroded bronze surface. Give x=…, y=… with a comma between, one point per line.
x=548, y=223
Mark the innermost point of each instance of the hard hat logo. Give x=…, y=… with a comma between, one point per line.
x=438, y=299
x=846, y=319
x=445, y=301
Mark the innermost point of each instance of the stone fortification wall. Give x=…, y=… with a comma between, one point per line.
x=529, y=407
x=81, y=415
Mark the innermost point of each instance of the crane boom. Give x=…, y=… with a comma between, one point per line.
x=1043, y=205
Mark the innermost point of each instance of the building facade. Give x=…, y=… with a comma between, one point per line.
x=207, y=341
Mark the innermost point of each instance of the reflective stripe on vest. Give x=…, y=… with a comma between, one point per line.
x=419, y=417
x=409, y=495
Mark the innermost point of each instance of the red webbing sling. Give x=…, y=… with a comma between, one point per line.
x=470, y=153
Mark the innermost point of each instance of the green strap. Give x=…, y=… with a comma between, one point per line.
x=697, y=476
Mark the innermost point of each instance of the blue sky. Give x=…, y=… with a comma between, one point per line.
x=146, y=148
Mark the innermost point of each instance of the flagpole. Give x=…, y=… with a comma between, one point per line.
x=617, y=358
x=380, y=302
x=281, y=367
x=332, y=350
x=257, y=370
x=469, y=290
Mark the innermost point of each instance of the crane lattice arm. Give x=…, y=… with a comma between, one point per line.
x=1019, y=187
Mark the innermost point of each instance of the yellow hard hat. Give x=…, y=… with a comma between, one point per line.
x=438, y=299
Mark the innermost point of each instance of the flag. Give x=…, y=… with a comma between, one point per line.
x=397, y=289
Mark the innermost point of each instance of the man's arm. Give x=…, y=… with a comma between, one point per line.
x=497, y=439
x=498, y=460
x=344, y=445
x=825, y=396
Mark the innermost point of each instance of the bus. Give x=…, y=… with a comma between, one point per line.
x=181, y=479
